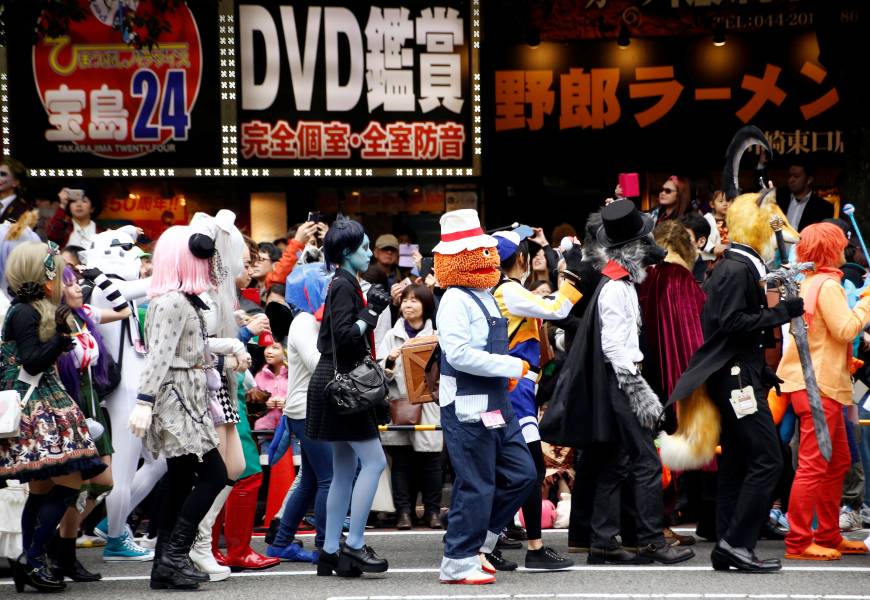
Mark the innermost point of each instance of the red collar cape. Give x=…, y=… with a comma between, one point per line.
x=614, y=270
x=814, y=286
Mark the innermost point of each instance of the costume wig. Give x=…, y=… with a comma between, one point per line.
x=343, y=238
x=28, y=279
x=14, y=234
x=477, y=268
x=66, y=363
x=823, y=244
x=307, y=286
x=674, y=237
x=176, y=269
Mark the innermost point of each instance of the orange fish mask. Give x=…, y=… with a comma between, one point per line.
x=477, y=268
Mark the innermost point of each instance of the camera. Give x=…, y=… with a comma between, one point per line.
x=315, y=216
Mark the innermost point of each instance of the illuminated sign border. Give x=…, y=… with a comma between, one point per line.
x=229, y=125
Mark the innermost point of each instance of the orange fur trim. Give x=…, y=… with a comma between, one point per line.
x=749, y=224
x=698, y=425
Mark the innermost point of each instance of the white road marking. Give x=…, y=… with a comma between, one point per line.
x=648, y=568
x=632, y=595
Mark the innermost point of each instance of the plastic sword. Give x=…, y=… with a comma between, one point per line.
x=785, y=279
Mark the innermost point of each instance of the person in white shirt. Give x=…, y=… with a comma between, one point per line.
x=72, y=223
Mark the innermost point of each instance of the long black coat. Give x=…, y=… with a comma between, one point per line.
x=581, y=412
x=738, y=326
x=344, y=302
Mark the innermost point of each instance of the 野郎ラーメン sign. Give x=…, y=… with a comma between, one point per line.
x=387, y=86
x=90, y=99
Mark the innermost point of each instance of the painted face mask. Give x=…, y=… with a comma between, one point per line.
x=359, y=260
x=478, y=268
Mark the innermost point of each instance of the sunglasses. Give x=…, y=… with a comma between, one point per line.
x=125, y=246
x=665, y=190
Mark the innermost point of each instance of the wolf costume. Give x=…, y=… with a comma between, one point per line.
x=603, y=405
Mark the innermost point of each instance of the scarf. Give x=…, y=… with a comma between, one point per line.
x=814, y=287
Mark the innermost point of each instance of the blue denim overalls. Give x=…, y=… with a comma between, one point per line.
x=494, y=470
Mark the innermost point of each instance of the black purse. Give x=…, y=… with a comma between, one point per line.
x=361, y=389
x=113, y=369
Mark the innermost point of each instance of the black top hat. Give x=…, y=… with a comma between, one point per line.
x=623, y=223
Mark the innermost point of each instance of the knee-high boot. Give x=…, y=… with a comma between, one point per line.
x=239, y=525
x=174, y=570
x=201, y=553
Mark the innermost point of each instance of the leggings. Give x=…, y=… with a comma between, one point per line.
x=532, y=505
x=372, y=461
x=193, y=486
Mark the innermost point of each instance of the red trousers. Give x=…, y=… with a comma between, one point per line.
x=818, y=484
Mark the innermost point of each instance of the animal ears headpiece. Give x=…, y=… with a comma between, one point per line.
x=746, y=136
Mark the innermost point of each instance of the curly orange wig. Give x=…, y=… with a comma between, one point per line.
x=823, y=244
x=478, y=268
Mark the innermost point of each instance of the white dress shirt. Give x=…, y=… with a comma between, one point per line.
x=796, y=209
x=82, y=236
x=619, y=310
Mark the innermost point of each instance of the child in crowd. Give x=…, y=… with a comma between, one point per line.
x=718, y=241
x=272, y=378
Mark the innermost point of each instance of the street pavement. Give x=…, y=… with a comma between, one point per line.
x=414, y=558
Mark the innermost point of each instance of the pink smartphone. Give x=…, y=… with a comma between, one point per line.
x=630, y=184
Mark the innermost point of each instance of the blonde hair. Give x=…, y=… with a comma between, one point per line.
x=673, y=235
x=26, y=264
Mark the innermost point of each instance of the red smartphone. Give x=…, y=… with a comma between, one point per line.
x=630, y=184
x=252, y=294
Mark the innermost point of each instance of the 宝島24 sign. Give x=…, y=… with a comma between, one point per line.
x=106, y=98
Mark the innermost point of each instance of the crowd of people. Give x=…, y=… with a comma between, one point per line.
x=628, y=377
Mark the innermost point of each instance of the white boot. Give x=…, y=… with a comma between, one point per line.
x=200, y=553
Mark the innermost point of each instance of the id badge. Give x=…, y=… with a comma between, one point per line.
x=743, y=402
x=492, y=419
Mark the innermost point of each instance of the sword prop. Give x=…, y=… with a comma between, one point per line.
x=849, y=210
x=776, y=223
x=785, y=278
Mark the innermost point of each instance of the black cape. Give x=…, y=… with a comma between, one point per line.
x=580, y=412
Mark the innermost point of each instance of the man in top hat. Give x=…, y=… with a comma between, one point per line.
x=611, y=413
x=493, y=467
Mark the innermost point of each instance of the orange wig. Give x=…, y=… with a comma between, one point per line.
x=823, y=244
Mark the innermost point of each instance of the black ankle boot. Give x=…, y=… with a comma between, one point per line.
x=328, y=563
x=363, y=559
x=39, y=577
x=174, y=568
x=63, y=552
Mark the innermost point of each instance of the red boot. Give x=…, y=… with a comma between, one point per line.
x=239, y=525
x=216, y=536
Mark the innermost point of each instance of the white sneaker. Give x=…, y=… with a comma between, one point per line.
x=850, y=520
x=865, y=515
x=146, y=542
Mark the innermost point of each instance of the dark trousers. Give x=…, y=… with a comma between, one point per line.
x=749, y=468
x=494, y=475
x=633, y=459
x=412, y=471
x=532, y=509
x=582, y=498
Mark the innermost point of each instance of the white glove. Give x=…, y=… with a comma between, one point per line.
x=140, y=419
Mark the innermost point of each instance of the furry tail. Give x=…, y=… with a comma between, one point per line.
x=694, y=443
x=643, y=400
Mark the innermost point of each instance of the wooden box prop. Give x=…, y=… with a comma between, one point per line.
x=415, y=355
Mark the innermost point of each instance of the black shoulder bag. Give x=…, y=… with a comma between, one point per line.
x=361, y=389
x=113, y=369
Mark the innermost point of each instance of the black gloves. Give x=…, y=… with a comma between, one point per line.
x=378, y=300
x=61, y=320
x=769, y=378
x=794, y=307
x=91, y=273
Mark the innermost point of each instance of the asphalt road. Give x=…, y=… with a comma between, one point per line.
x=414, y=558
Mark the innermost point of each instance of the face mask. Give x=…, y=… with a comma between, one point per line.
x=655, y=255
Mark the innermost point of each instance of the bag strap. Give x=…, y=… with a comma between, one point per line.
x=478, y=301
x=332, y=330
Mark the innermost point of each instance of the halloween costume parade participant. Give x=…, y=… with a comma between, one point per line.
x=494, y=471
x=114, y=252
x=346, y=338
x=53, y=451
x=603, y=404
x=832, y=327
x=729, y=366
x=524, y=312
x=84, y=372
x=171, y=411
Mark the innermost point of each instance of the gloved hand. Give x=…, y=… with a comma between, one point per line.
x=61, y=320
x=794, y=307
x=514, y=382
x=378, y=300
x=771, y=379
x=140, y=419
x=90, y=273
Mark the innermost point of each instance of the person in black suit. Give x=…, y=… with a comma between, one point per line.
x=798, y=202
x=738, y=325
x=12, y=204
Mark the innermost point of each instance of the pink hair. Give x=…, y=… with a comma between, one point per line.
x=176, y=269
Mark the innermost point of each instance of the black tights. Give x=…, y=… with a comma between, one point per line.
x=532, y=505
x=193, y=486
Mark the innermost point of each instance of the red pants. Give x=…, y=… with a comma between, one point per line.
x=818, y=485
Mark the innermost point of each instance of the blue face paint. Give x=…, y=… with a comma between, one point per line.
x=358, y=261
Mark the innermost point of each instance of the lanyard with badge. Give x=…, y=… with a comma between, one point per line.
x=743, y=398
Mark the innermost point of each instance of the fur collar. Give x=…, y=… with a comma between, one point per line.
x=630, y=258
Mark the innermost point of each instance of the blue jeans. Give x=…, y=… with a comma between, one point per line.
x=314, y=481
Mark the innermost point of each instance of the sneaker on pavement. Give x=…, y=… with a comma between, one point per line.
x=505, y=543
x=291, y=553
x=89, y=541
x=850, y=520
x=865, y=515
x=547, y=558
x=101, y=529
x=146, y=542
x=499, y=562
x=675, y=539
x=125, y=548
x=778, y=519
